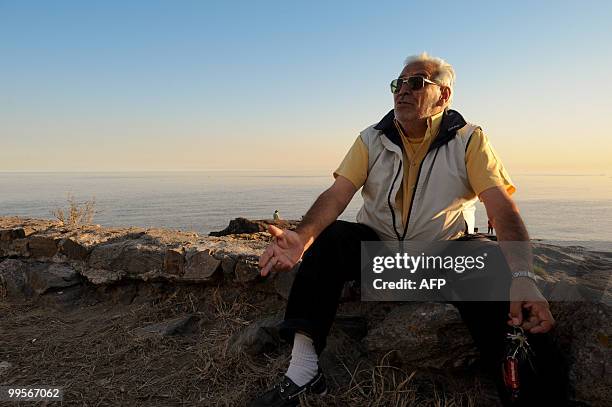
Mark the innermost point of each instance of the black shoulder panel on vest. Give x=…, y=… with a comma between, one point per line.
x=387, y=126
x=451, y=122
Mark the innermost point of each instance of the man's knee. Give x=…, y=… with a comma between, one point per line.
x=330, y=237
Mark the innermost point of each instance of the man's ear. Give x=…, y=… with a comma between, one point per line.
x=445, y=94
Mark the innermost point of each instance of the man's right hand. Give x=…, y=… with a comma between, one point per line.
x=283, y=253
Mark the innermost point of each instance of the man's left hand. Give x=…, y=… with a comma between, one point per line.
x=524, y=294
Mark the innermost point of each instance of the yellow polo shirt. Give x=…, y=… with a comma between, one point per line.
x=484, y=168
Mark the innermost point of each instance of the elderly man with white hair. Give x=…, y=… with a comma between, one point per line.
x=420, y=168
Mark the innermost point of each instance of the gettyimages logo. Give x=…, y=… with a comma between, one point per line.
x=425, y=271
x=412, y=264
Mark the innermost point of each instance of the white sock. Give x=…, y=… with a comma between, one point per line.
x=304, y=360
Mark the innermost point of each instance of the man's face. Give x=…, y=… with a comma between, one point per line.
x=418, y=104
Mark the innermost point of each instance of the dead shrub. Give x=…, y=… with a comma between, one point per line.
x=76, y=213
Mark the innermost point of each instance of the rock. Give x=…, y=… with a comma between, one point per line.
x=427, y=335
x=41, y=277
x=201, y=266
x=228, y=264
x=243, y=225
x=100, y=276
x=16, y=247
x=582, y=332
x=21, y=247
x=168, y=327
x=65, y=298
x=5, y=367
x=247, y=270
x=283, y=282
x=42, y=246
x=73, y=249
x=12, y=278
x=174, y=262
x=11, y=234
x=134, y=256
x=259, y=337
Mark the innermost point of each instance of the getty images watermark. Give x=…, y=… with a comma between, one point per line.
x=465, y=271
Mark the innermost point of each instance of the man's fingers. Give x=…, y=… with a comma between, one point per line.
x=516, y=313
x=543, y=327
x=274, y=259
x=266, y=256
x=284, y=263
x=271, y=263
x=539, y=312
x=531, y=322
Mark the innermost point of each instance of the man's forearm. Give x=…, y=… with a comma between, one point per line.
x=514, y=240
x=321, y=214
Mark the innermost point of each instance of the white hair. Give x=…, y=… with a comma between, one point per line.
x=444, y=73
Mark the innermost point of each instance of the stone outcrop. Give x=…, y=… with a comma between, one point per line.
x=243, y=225
x=44, y=260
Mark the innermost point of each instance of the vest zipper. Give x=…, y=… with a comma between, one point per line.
x=389, y=199
x=416, y=183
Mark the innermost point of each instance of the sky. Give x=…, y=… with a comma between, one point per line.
x=288, y=85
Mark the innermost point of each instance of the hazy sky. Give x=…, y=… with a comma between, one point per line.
x=128, y=85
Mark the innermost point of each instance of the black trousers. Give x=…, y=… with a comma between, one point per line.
x=334, y=258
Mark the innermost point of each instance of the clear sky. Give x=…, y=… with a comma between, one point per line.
x=171, y=85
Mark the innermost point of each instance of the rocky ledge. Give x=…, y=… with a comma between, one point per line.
x=44, y=262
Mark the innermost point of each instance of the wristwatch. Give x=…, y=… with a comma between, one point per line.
x=527, y=274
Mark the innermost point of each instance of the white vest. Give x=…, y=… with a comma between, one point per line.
x=443, y=202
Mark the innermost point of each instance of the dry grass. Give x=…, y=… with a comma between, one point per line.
x=383, y=385
x=76, y=213
x=95, y=353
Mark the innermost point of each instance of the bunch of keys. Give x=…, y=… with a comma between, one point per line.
x=518, y=351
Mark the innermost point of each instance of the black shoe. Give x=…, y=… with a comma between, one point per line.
x=286, y=393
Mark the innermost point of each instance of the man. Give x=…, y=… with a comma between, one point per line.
x=421, y=161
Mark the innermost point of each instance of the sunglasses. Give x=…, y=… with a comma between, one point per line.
x=413, y=82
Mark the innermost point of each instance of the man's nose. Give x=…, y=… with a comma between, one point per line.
x=404, y=91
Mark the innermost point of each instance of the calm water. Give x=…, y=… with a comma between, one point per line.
x=558, y=207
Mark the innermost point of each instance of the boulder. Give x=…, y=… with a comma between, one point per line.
x=12, y=278
x=42, y=246
x=20, y=247
x=101, y=276
x=41, y=277
x=583, y=333
x=201, y=266
x=5, y=366
x=429, y=335
x=247, y=269
x=73, y=249
x=168, y=327
x=259, y=337
x=7, y=235
x=174, y=262
x=243, y=225
x=134, y=256
x=228, y=265
x=283, y=282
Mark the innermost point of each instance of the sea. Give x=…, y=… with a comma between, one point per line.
x=567, y=209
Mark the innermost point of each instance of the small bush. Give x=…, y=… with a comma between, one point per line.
x=76, y=213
